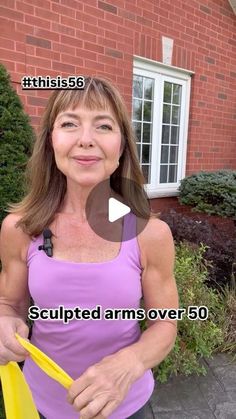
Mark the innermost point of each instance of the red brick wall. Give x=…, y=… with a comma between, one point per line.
x=42, y=37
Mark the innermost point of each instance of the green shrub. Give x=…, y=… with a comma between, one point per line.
x=16, y=137
x=196, y=338
x=210, y=192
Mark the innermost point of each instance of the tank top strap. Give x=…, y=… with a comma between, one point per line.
x=130, y=247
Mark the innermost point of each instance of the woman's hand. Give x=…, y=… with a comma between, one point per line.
x=103, y=386
x=10, y=348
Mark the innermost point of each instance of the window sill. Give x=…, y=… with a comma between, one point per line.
x=161, y=193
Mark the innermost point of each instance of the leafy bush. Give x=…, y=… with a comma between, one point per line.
x=210, y=192
x=228, y=297
x=196, y=338
x=221, y=247
x=16, y=136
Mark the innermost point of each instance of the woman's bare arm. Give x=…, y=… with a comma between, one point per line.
x=14, y=293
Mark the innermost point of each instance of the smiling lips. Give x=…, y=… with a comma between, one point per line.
x=86, y=160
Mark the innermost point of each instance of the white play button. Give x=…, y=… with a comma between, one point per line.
x=116, y=209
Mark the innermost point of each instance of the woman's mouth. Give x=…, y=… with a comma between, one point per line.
x=87, y=161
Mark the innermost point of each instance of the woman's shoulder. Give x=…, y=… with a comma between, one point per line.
x=154, y=236
x=14, y=236
x=155, y=229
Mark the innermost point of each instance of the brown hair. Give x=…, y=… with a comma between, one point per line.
x=46, y=185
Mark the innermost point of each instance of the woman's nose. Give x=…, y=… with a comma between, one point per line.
x=85, y=137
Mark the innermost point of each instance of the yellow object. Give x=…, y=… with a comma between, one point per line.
x=17, y=396
x=46, y=363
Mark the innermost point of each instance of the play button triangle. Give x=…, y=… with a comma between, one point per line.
x=116, y=209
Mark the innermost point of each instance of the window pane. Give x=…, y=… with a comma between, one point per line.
x=173, y=173
x=146, y=154
x=148, y=88
x=174, y=135
x=165, y=134
x=166, y=114
x=173, y=154
x=147, y=133
x=167, y=92
x=138, y=86
x=147, y=111
x=146, y=172
x=176, y=94
x=163, y=173
x=138, y=148
x=137, y=130
x=164, y=154
x=175, y=114
x=137, y=109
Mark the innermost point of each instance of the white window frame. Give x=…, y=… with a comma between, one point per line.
x=160, y=73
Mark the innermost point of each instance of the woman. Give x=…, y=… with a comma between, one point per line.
x=86, y=138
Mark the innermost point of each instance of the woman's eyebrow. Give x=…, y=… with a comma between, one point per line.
x=96, y=118
x=69, y=115
x=105, y=116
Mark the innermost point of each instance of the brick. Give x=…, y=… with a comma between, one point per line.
x=94, y=11
x=220, y=76
x=85, y=17
x=222, y=96
x=114, y=53
x=107, y=25
x=205, y=9
x=39, y=42
x=91, y=47
x=90, y=55
x=63, y=10
x=106, y=42
x=45, y=53
x=37, y=61
x=45, y=4
x=67, y=68
x=93, y=65
x=38, y=22
x=70, y=41
x=50, y=36
x=107, y=7
x=47, y=14
x=126, y=14
x=37, y=101
x=10, y=65
x=25, y=8
x=210, y=60
x=20, y=68
x=63, y=29
x=74, y=4
x=70, y=23
x=11, y=14
x=97, y=30
x=144, y=21
x=12, y=55
x=70, y=59
x=7, y=44
x=20, y=47
x=85, y=35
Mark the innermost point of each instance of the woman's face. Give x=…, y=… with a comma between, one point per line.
x=87, y=144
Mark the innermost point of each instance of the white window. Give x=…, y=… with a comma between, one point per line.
x=160, y=118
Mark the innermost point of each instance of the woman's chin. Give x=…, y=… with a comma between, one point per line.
x=89, y=181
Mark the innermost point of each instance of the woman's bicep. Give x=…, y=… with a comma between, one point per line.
x=14, y=274
x=158, y=281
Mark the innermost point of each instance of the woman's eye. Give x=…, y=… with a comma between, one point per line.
x=106, y=127
x=67, y=125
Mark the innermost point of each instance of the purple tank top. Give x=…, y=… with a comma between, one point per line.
x=81, y=343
